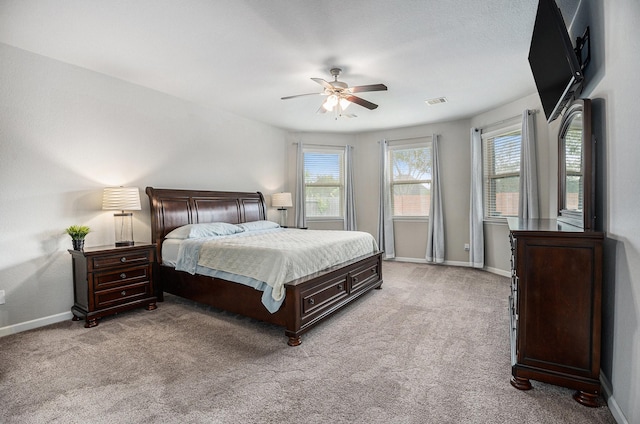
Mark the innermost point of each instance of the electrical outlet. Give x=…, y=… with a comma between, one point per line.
x=1, y=297
x=466, y=247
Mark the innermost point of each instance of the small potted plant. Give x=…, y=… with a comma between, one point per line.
x=78, y=233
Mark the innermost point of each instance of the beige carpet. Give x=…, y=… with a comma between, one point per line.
x=431, y=347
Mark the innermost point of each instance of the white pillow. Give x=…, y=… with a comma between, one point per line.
x=209, y=229
x=257, y=225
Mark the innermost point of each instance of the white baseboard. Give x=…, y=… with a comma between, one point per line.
x=611, y=401
x=453, y=263
x=424, y=261
x=30, y=325
x=497, y=271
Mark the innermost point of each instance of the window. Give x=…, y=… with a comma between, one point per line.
x=574, y=174
x=324, y=183
x=410, y=183
x=501, y=167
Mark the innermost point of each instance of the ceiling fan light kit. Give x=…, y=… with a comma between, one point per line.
x=340, y=95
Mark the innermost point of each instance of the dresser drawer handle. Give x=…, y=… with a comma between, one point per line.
x=123, y=275
x=123, y=259
x=339, y=286
x=355, y=279
x=311, y=301
x=123, y=292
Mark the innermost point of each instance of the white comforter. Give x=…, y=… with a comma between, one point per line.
x=279, y=256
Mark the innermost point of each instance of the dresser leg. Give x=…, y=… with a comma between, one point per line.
x=151, y=306
x=586, y=399
x=520, y=383
x=75, y=318
x=91, y=322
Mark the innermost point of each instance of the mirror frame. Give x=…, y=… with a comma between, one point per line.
x=584, y=219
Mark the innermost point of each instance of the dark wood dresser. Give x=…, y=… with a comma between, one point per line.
x=555, y=306
x=109, y=279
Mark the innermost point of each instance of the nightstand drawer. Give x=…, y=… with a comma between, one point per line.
x=122, y=294
x=128, y=258
x=122, y=276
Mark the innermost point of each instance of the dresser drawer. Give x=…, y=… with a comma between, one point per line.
x=123, y=294
x=123, y=276
x=128, y=258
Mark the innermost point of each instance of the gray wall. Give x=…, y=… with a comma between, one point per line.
x=66, y=133
x=613, y=88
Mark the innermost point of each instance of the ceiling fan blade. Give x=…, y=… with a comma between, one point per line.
x=323, y=83
x=372, y=87
x=301, y=95
x=361, y=102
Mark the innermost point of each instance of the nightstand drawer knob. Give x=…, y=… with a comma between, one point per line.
x=311, y=301
x=123, y=275
x=123, y=292
x=339, y=286
x=123, y=259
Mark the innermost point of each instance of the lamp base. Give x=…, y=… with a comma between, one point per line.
x=124, y=228
x=283, y=217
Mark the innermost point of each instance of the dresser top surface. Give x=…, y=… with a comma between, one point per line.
x=545, y=225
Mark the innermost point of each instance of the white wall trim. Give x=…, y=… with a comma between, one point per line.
x=498, y=271
x=611, y=401
x=424, y=261
x=452, y=263
x=36, y=323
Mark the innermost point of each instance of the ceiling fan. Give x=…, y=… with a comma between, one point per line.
x=340, y=95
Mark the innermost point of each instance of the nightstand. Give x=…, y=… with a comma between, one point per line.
x=109, y=279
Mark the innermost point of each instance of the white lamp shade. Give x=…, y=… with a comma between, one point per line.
x=281, y=200
x=121, y=199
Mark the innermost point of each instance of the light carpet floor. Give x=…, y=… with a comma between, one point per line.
x=431, y=347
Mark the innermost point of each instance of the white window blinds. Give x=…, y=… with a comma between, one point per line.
x=324, y=182
x=501, y=168
x=574, y=170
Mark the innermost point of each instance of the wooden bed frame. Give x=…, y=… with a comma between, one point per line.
x=308, y=300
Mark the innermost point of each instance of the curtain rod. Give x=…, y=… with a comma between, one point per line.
x=295, y=143
x=531, y=111
x=408, y=138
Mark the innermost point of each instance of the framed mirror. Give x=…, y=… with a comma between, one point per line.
x=576, y=167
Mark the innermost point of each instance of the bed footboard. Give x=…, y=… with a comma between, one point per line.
x=317, y=297
x=308, y=302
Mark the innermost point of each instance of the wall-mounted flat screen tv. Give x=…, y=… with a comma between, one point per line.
x=553, y=60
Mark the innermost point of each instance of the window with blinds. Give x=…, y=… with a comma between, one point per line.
x=501, y=167
x=324, y=182
x=574, y=171
x=410, y=180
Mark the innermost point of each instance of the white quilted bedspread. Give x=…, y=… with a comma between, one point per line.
x=282, y=256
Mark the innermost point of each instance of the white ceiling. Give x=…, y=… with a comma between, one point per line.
x=243, y=55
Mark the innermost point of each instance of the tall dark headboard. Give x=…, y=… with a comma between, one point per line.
x=172, y=208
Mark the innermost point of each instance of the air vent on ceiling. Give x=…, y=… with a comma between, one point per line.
x=436, y=101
